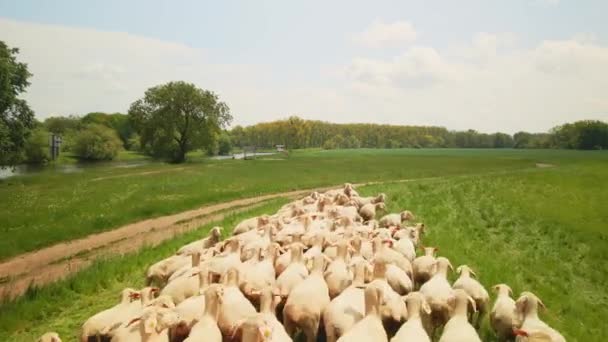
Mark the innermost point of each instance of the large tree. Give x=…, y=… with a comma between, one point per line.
x=16, y=117
x=178, y=117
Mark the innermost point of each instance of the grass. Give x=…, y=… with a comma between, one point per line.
x=65, y=305
x=538, y=229
x=41, y=209
x=543, y=231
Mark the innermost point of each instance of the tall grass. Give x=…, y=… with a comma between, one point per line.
x=65, y=305
x=50, y=207
x=544, y=231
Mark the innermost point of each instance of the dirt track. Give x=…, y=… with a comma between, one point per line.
x=56, y=262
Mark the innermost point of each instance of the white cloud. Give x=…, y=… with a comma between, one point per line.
x=381, y=34
x=477, y=86
x=487, y=84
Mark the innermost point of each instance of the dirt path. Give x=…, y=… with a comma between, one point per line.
x=56, y=262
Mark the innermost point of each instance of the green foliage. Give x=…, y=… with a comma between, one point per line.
x=117, y=121
x=61, y=125
x=37, y=150
x=531, y=140
x=16, y=118
x=582, y=135
x=178, y=117
x=96, y=142
x=133, y=144
x=224, y=144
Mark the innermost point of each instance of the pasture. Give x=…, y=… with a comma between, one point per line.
x=41, y=209
x=542, y=229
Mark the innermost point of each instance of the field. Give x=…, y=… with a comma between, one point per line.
x=41, y=209
x=536, y=220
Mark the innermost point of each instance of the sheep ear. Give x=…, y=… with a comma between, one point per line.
x=426, y=307
x=473, y=273
x=150, y=324
x=459, y=269
x=495, y=288
x=542, y=305
x=472, y=301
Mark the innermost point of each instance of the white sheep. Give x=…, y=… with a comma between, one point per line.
x=369, y=328
x=152, y=326
x=206, y=327
x=474, y=289
x=368, y=211
x=348, y=308
x=250, y=224
x=526, y=309
x=337, y=275
x=438, y=293
x=395, y=220
x=503, y=312
x=458, y=328
x=49, y=337
x=294, y=273
x=200, y=245
x=413, y=330
x=306, y=302
x=160, y=272
x=423, y=266
x=235, y=305
x=102, y=322
x=191, y=309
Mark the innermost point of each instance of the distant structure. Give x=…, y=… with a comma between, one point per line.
x=249, y=152
x=280, y=148
x=54, y=144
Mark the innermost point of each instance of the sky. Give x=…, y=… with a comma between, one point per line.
x=489, y=65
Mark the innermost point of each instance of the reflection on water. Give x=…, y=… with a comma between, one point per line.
x=24, y=170
x=241, y=155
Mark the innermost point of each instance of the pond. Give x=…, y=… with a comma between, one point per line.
x=241, y=155
x=26, y=169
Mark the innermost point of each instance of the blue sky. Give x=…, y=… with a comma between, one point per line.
x=488, y=65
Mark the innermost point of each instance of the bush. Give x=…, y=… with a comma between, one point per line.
x=37, y=150
x=351, y=142
x=97, y=142
x=133, y=144
x=225, y=144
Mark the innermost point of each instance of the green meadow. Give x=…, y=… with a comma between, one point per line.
x=541, y=228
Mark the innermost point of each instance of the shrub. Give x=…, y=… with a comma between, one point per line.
x=97, y=142
x=37, y=150
x=225, y=144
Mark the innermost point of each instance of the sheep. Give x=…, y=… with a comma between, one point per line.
x=384, y=252
x=186, y=270
x=423, y=266
x=235, y=305
x=368, y=211
x=458, y=328
x=294, y=273
x=191, y=309
x=200, y=245
x=369, y=328
x=337, y=275
x=413, y=330
x=392, y=309
x=206, y=327
x=263, y=326
x=182, y=288
x=250, y=224
x=395, y=220
x=152, y=326
x=260, y=275
x=100, y=323
x=160, y=272
x=306, y=302
x=526, y=309
x=503, y=311
x=230, y=258
x=537, y=336
x=361, y=201
x=398, y=279
x=347, y=308
x=49, y=337
x=438, y=293
x=406, y=247
x=474, y=289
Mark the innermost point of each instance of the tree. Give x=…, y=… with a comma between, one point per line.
x=178, y=117
x=16, y=117
x=225, y=144
x=37, y=150
x=97, y=142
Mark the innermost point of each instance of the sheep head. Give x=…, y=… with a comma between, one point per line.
x=503, y=289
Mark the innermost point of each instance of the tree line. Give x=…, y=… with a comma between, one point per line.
x=295, y=133
x=177, y=117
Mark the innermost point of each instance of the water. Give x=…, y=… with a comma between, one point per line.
x=24, y=170
x=241, y=155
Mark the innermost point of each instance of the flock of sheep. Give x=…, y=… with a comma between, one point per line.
x=323, y=267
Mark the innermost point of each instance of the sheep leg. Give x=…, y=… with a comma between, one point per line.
x=311, y=329
x=480, y=314
x=289, y=325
